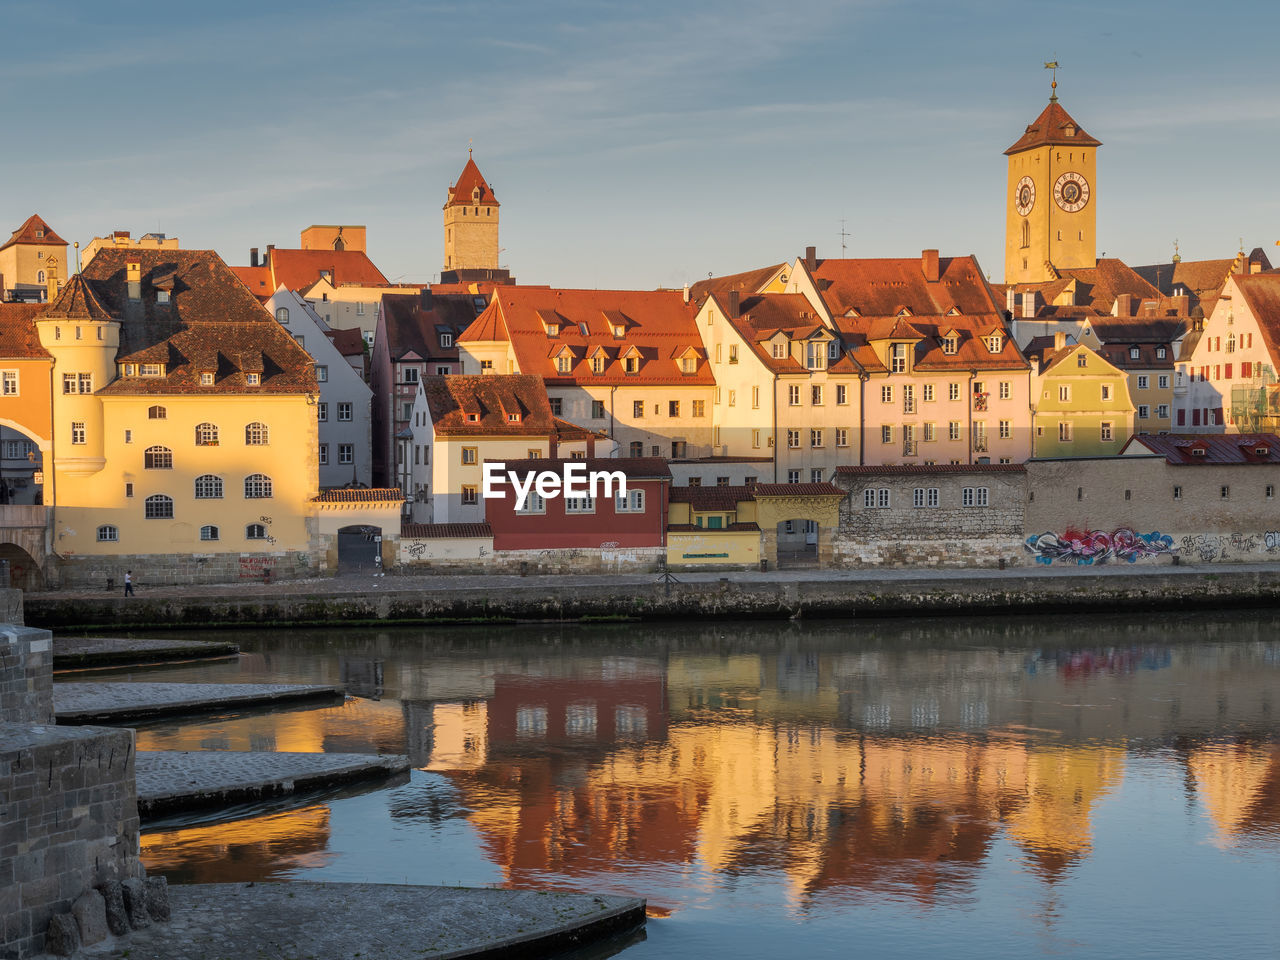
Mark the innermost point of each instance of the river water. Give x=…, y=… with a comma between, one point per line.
x=1078, y=786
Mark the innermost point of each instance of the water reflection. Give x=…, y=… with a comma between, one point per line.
x=925, y=765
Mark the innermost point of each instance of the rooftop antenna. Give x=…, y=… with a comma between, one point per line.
x=1053, y=87
x=844, y=235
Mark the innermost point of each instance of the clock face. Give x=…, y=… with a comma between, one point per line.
x=1024, y=196
x=1071, y=192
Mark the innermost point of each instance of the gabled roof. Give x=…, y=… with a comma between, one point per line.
x=18, y=337
x=1261, y=292
x=257, y=279
x=746, y=283
x=1201, y=280
x=881, y=287
x=492, y=400
x=299, y=269
x=210, y=324
x=1051, y=128
x=713, y=498
x=414, y=322
x=762, y=317
x=27, y=233
x=462, y=193
x=662, y=328
x=1219, y=448
x=349, y=343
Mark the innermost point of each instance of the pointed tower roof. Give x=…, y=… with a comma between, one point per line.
x=77, y=301
x=36, y=231
x=463, y=193
x=1054, y=126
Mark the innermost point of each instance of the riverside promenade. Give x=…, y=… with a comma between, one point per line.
x=782, y=594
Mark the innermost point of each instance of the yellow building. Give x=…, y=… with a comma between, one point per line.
x=32, y=262
x=184, y=425
x=471, y=230
x=1081, y=402
x=121, y=238
x=1050, y=219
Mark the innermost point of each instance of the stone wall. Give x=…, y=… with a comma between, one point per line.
x=551, y=561
x=68, y=823
x=78, y=572
x=26, y=675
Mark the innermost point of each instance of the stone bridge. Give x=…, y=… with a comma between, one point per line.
x=24, y=544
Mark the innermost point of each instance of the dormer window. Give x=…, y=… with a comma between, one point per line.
x=553, y=329
x=1068, y=131
x=950, y=345
x=446, y=340
x=833, y=352
x=1135, y=353
x=1197, y=451
x=563, y=363
x=779, y=350
x=151, y=369
x=1262, y=451
x=582, y=327
x=995, y=342
x=953, y=312
x=1161, y=353
x=206, y=379
x=631, y=364
x=689, y=364
x=898, y=358
x=816, y=355
x=513, y=418
x=39, y=234
x=253, y=379
x=473, y=418
x=597, y=363
x=904, y=312
x=619, y=331
x=162, y=296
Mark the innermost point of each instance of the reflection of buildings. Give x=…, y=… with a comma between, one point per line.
x=260, y=848
x=1240, y=786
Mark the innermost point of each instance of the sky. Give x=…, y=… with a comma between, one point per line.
x=634, y=145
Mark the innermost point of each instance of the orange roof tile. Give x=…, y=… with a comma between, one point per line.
x=463, y=193
x=880, y=287
x=257, y=279
x=360, y=495
x=34, y=231
x=661, y=327
x=446, y=531
x=299, y=269
x=745, y=283
x=1051, y=128
x=18, y=337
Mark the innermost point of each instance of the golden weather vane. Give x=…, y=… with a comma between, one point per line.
x=1053, y=65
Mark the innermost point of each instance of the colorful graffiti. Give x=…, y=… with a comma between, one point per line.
x=1089, y=547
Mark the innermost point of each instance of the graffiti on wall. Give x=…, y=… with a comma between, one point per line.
x=1089, y=547
x=1208, y=547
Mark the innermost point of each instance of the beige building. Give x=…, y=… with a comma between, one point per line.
x=122, y=239
x=334, y=237
x=471, y=230
x=33, y=263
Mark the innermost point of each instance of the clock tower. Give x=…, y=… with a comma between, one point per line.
x=1051, y=202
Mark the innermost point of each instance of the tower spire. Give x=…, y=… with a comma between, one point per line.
x=1053, y=87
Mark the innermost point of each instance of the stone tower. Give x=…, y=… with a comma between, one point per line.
x=1051, y=202
x=470, y=223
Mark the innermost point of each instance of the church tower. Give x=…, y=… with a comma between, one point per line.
x=1051, y=202
x=471, y=227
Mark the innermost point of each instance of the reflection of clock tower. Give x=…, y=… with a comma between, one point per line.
x=1051, y=203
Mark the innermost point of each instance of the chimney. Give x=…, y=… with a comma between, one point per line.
x=686, y=293
x=253, y=256
x=133, y=276
x=811, y=257
x=1123, y=306
x=1030, y=303
x=1010, y=298
x=1059, y=340
x=270, y=247
x=734, y=304
x=929, y=261
x=1181, y=305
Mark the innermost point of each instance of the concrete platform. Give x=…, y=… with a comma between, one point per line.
x=338, y=921
x=82, y=653
x=174, y=780
x=124, y=702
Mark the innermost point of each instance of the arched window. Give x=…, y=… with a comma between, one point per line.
x=209, y=532
x=206, y=435
x=158, y=458
x=157, y=413
x=257, y=487
x=1026, y=233
x=208, y=487
x=159, y=507
x=108, y=534
x=256, y=434
x=40, y=277
x=282, y=314
x=255, y=531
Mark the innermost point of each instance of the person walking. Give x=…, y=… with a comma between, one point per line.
x=128, y=583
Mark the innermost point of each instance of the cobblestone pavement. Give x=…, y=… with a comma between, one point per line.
x=182, y=779
x=75, y=702
x=328, y=921
x=453, y=582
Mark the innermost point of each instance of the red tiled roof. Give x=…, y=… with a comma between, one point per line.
x=360, y=495
x=1050, y=128
x=446, y=531
x=349, y=343
x=257, y=279
x=1219, y=448
x=660, y=326
x=463, y=193
x=763, y=316
x=713, y=498
x=881, y=287
x=798, y=490
x=27, y=234
x=299, y=269
x=493, y=399
x=18, y=337
x=210, y=324
x=912, y=469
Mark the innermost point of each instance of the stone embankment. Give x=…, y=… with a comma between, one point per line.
x=129, y=701
x=780, y=595
x=88, y=653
